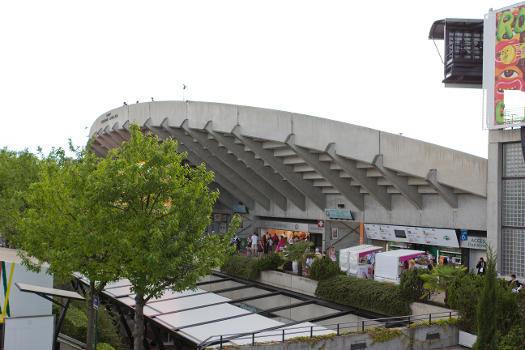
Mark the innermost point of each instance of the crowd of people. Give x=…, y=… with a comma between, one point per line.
x=258, y=246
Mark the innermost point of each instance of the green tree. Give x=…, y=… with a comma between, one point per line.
x=440, y=278
x=462, y=295
x=18, y=170
x=299, y=252
x=487, y=307
x=67, y=227
x=161, y=208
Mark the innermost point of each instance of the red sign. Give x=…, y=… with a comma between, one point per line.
x=320, y=223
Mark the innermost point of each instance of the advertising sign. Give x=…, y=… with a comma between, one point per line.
x=504, y=67
x=342, y=214
x=475, y=243
x=419, y=235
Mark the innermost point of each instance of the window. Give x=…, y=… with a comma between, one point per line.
x=513, y=211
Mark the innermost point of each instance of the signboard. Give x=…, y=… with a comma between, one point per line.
x=407, y=234
x=95, y=303
x=475, y=243
x=320, y=223
x=240, y=209
x=504, y=67
x=290, y=226
x=342, y=214
x=464, y=235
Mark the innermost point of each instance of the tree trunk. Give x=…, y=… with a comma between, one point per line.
x=91, y=316
x=138, y=328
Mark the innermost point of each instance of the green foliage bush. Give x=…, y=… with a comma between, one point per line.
x=250, y=268
x=75, y=325
x=324, y=268
x=411, y=284
x=379, y=297
x=269, y=262
x=515, y=339
x=463, y=293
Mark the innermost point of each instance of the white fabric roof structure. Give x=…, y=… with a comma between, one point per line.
x=349, y=257
x=29, y=288
x=203, y=316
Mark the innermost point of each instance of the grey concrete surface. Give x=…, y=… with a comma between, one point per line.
x=408, y=160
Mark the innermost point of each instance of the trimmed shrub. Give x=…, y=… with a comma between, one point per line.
x=411, y=284
x=241, y=266
x=324, y=268
x=379, y=297
x=250, y=268
x=270, y=262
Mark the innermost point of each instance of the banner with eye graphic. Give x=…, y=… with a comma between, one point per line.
x=506, y=107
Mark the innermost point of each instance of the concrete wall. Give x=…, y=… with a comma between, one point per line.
x=355, y=142
x=469, y=215
x=288, y=281
x=413, y=339
x=455, y=169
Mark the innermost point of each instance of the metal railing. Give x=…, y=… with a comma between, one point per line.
x=283, y=332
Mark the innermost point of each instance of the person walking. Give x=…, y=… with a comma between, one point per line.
x=280, y=245
x=255, y=241
x=481, y=266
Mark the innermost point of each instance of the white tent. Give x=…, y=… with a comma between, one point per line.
x=349, y=257
x=387, y=263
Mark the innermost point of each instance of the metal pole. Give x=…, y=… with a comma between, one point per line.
x=429, y=319
x=95, y=331
x=283, y=335
x=362, y=326
x=220, y=344
x=338, y=329
x=253, y=339
x=311, y=331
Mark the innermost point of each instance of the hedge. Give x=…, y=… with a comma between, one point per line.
x=250, y=268
x=379, y=297
x=411, y=284
x=324, y=268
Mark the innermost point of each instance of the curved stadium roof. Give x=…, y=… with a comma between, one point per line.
x=269, y=157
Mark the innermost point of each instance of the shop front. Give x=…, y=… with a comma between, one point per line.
x=289, y=229
x=441, y=244
x=475, y=246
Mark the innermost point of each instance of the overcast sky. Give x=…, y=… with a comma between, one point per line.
x=64, y=63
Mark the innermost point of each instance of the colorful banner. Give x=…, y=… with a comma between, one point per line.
x=509, y=70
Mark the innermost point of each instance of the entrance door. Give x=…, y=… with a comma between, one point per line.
x=317, y=239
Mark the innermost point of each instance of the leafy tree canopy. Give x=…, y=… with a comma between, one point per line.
x=161, y=207
x=17, y=171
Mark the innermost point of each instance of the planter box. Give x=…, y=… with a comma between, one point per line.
x=467, y=339
x=288, y=281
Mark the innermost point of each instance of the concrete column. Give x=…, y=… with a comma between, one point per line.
x=495, y=155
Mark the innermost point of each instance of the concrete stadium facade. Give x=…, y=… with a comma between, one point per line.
x=288, y=166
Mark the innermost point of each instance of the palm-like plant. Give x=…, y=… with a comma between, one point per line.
x=299, y=252
x=440, y=278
